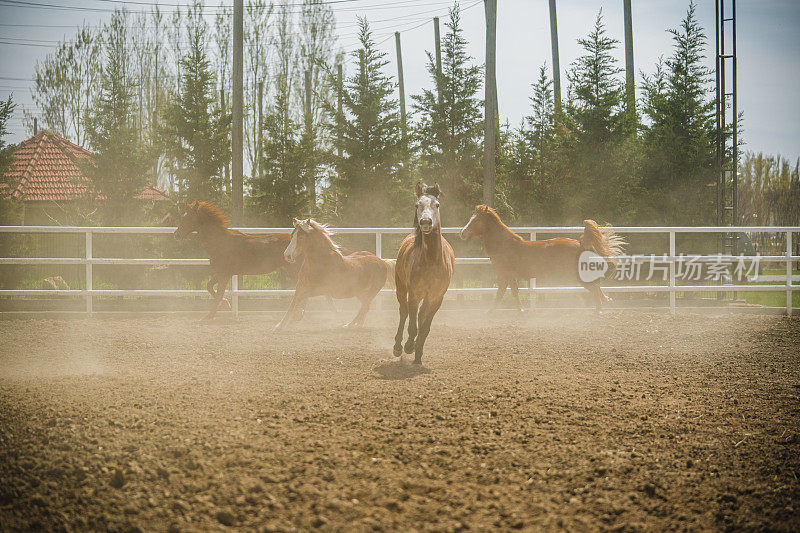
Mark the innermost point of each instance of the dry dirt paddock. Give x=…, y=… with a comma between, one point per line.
x=626, y=420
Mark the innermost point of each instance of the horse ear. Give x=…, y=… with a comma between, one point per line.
x=419, y=188
x=436, y=190
x=295, y=222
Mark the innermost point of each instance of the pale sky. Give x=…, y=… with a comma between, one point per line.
x=768, y=47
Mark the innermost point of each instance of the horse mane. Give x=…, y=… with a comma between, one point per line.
x=322, y=229
x=214, y=214
x=495, y=219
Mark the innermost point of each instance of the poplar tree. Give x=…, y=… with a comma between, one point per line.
x=280, y=190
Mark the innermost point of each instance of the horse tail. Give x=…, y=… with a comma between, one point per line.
x=390, y=263
x=602, y=240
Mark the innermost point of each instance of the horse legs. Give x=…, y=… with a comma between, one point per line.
x=599, y=297
x=362, y=313
x=502, y=283
x=515, y=293
x=298, y=304
x=214, y=280
x=217, y=298
x=413, y=308
x=402, y=299
x=426, y=317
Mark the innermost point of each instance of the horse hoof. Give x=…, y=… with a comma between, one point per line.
x=397, y=351
x=418, y=360
x=409, y=346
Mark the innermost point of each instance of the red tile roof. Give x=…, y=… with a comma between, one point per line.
x=47, y=167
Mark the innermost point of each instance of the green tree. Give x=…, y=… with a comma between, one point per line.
x=280, y=190
x=120, y=168
x=9, y=208
x=370, y=180
x=196, y=131
x=66, y=83
x=596, y=103
x=598, y=155
x=6, y=112
x=679, y=142
x=449, y=130
x=530, y=185
x=769, y=191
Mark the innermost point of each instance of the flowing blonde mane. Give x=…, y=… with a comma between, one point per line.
x=312, y=225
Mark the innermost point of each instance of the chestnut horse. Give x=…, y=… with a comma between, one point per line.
x=326, y=271
x=231, y=251
x=425, y=264
x=513, y=257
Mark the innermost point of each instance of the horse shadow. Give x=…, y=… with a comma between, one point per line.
x=399, y=369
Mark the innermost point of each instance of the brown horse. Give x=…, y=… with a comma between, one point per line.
x=513, y=257
x=230, y=251
x=326, y=271
x=425, y=264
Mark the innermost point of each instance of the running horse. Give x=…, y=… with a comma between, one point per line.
x=327, y=271
x=231, y=252
x=513, y=257
x=425, y=264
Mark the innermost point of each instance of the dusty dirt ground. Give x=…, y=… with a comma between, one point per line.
x=625, y=420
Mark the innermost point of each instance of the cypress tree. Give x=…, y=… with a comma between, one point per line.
x=680, y=138
x=122, y=163
x=449, y=132
x=196, y=131
x=370, y=180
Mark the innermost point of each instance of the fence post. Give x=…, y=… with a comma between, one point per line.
x=379, y=253
x=235, y=295
x=789, y=273
x=532, y=283
x=671, y=272
x=89, y=272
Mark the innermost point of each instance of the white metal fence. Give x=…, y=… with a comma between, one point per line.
x=235, y=292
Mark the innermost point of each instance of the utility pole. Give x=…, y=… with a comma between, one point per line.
x=630, y=77
x=237, y=134
x=259, y=141
x=401, y=85
x=309, y=121
x=490, y=104
x=438, y=44
x=556, y=65
x=340, y=88
x=227, y=169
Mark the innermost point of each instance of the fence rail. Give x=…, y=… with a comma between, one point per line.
x=533, y=231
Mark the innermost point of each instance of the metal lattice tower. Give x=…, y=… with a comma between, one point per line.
x=727, y=119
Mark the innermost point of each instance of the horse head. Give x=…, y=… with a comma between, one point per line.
x=426, y=218
x=299, y=240
x=309, y=236
x=190, y=221
x=478, y=223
